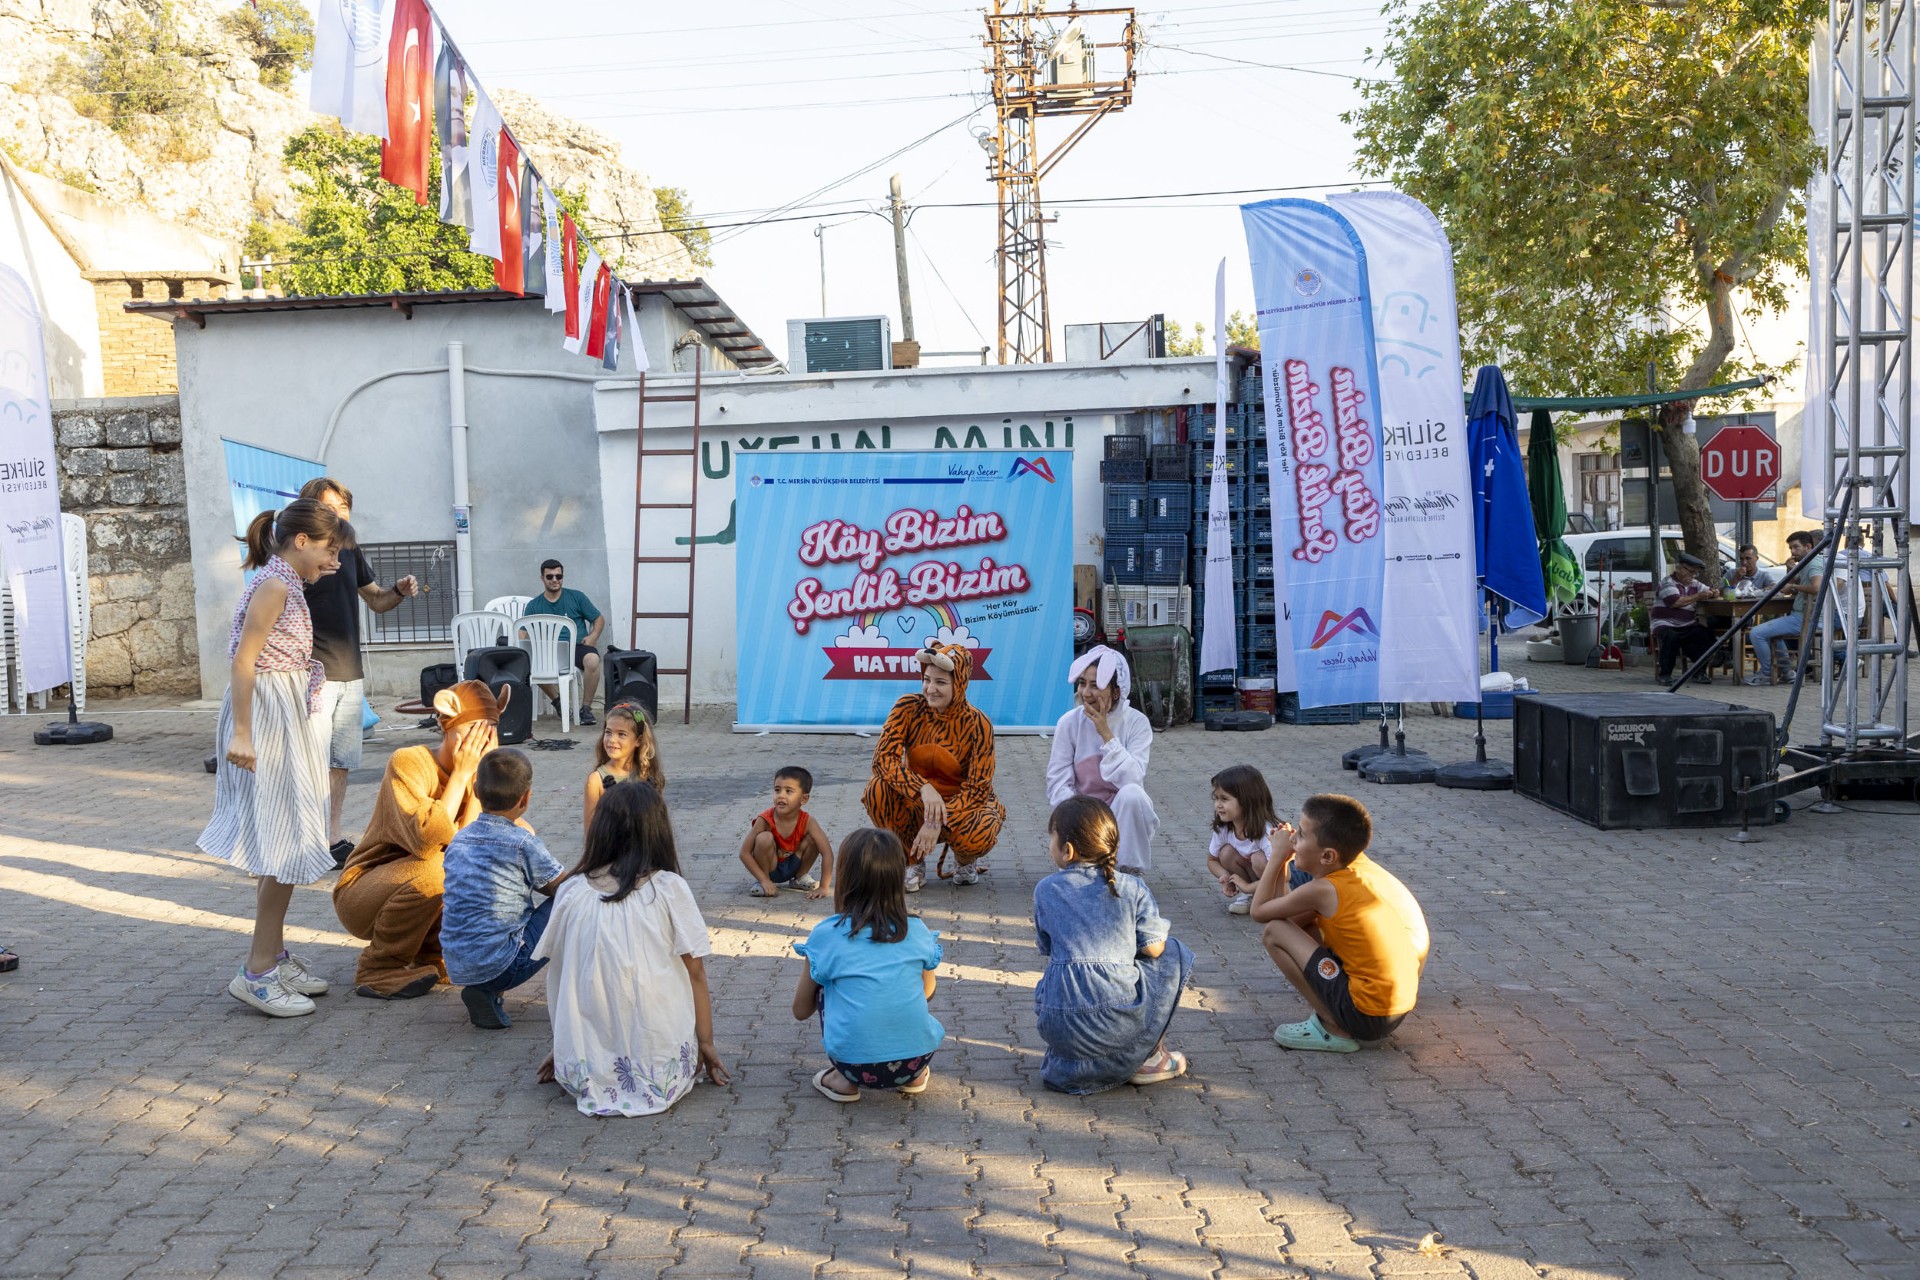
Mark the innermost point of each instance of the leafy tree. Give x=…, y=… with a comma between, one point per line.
x=277, y=35
x=1241, y=332
x=357, y=233
x=139, y=81
x=679, y=219
x=1618, y=177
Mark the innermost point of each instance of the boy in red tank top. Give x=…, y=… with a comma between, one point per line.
x=784, y=842
x=1351, y=940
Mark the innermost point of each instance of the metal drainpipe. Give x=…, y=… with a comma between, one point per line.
x=462, y=521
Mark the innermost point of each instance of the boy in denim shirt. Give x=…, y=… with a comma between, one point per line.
x=494, y=867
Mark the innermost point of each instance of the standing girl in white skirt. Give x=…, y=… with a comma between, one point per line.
x=270, y=795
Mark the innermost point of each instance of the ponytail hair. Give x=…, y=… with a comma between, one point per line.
x=273, y=531
x=1085, y=824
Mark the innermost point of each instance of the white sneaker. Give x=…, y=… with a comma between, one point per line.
x=806, y=884
x=267, y=995
x=1241, y=904
x=967, y=873
x=296, y=977
x=916, y=877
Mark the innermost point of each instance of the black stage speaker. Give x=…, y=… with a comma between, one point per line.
x=632, y=675
x=1641, y=759
x=505, y=667
x=441, y=675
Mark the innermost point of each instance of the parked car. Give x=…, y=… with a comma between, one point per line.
x=1627, y=556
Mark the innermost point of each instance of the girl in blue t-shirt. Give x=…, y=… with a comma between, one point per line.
x=869, y=974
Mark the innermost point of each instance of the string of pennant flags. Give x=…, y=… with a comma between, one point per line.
x=389, y=68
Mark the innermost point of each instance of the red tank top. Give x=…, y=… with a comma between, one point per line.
x=792, y=843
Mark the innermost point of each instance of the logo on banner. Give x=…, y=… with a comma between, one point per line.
x=1307, y=282
x=1036, y=467
x=489, y=150
x=1333, y=624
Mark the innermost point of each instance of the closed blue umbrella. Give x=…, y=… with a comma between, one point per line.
x=1506, y=557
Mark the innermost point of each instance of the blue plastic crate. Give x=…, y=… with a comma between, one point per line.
x=1126, y=446
x=1164, y=560
x=1253, y=570
x=1266, y=667
x=1169, y=506
x=1172, y=462
x=1499, y=706
x=1125, y=561
x=1256, y=602
x=1202, y=428
x=1258, y=638
x=1123, y=471
x=1126, y=509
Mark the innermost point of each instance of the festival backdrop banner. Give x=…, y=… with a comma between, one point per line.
x=850, y=562
x=262, y=480
x=1316, y=338
x=1429, y=640
x=31, y=539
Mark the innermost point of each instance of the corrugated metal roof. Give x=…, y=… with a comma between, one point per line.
x=695, y=298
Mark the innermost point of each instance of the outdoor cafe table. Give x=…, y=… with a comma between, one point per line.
x=1721, y=613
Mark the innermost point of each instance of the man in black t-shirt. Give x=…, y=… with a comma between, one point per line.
x=334, y=602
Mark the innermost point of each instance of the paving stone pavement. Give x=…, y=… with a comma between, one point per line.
x=1646, y=1054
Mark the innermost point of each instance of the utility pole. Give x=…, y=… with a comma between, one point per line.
x=900, y=256
x=1036, y=71
x=820, y=234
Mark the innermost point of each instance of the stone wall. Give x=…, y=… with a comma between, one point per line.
x=122, y=470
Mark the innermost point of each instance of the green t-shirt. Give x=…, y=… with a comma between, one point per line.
x=571, y=604
x=1818, y=569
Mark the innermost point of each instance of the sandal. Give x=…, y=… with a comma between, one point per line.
x=919, y=1085
x=1165, y=1065
x=9, y=961
x=758, y=890
x=820, y=1084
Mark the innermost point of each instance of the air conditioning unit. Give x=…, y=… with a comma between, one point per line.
x=840, y=344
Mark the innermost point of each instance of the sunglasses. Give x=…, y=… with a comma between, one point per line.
x=553, y=577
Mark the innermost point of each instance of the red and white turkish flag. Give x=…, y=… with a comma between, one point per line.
x=570, y=275
x=509, y=269
x=602, y=305
x=405, y=153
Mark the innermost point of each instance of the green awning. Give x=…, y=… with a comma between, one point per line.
x=1602, y=404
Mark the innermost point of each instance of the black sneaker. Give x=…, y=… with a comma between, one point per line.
x=586, y=715
x=341, y=851
x=484, y=1009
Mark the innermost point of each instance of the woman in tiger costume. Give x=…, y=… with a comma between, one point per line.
x=933, y=770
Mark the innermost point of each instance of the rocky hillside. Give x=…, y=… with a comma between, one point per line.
x=209, y=155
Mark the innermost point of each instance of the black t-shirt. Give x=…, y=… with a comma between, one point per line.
x=334, y=602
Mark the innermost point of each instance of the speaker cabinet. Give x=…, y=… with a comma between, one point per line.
x=1641, y=759
x=632, y=675
x=505, y=667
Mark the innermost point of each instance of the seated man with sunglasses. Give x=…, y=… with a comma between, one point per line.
x=587, y=622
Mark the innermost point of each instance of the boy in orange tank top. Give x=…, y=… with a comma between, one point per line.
x=784, y=842
x=1359, y=966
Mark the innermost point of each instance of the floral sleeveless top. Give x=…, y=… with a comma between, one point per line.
x=289, y=645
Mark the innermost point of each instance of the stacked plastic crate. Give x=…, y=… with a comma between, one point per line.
x=1148, y=510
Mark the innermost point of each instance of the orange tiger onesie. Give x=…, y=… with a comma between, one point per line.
x=952, y=749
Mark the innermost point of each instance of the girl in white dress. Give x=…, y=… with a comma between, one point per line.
x=270, y=794
x=627, y=986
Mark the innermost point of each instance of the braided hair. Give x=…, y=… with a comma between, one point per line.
x=1087, y=826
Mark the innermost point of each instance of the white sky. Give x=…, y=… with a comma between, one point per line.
x=755, y=103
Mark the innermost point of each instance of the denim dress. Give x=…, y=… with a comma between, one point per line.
x=1102, y=1007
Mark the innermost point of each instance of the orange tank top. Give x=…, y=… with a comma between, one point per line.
x=792, y=843
x=1379, y=934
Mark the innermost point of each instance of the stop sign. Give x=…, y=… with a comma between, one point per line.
x=1740, y=463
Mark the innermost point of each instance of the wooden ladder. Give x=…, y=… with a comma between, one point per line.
x=691, y=507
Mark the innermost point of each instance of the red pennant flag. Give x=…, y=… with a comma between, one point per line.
x=405, y=153
x=597, y=321
x=570, y=269
x=509, y=270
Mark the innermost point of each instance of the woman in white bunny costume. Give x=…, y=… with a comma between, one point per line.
x=1100, y=749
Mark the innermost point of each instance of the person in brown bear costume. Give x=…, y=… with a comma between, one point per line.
x=391, y=889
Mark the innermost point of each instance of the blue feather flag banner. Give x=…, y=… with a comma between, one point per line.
x=1316, y=337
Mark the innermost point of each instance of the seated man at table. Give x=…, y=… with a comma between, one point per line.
x=1801, y=591
x=1749, y=579
x=1675, y=617
x=565, y=602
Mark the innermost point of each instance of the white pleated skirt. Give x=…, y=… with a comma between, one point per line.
x=272, y=820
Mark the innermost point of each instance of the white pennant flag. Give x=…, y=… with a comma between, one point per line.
x=483, y=176
x=350, y=63
x=556, y=256
x=633, y=332
x=1219, y=650
x=589, y=272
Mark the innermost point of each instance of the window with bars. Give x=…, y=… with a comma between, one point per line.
x=428, y=615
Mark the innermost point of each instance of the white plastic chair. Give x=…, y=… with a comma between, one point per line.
x=550, y=643
x=478, y=629
x=512, y=606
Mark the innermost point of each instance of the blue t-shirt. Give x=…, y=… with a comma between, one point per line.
x=571, y=604
x=876, y=1000
x=492, y=868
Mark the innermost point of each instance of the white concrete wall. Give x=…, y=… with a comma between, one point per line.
x=275, y=378
x=970, y=408
x=66, y=301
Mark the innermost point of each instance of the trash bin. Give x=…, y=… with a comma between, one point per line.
x=1579, y=632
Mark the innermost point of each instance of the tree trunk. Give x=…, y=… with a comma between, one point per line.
x=1683, y=451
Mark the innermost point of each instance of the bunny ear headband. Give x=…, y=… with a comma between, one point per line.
x=1110, y=664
